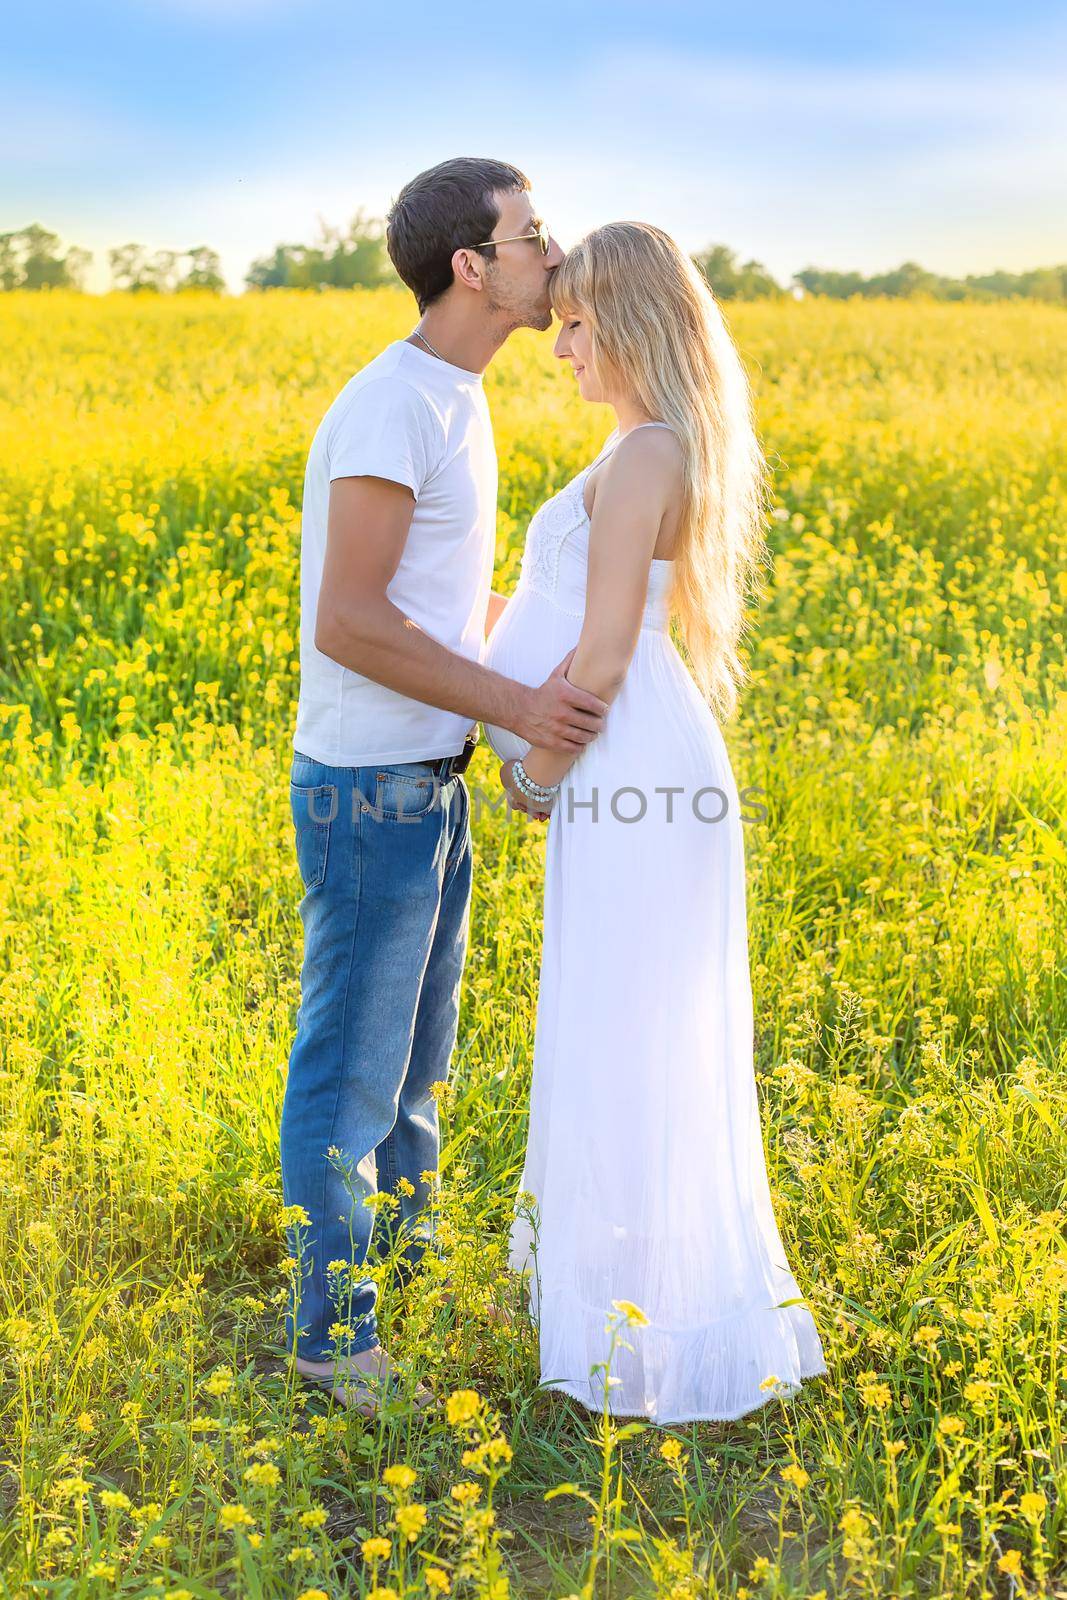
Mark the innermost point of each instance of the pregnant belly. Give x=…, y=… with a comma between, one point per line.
x=530, y=639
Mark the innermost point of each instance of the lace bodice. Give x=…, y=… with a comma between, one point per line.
x=556, y=554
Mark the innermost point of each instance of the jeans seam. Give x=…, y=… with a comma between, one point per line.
x=358, y=842
x=387, y=1143
x=386, y=1146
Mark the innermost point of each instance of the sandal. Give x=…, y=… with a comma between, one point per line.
x=376, y=1392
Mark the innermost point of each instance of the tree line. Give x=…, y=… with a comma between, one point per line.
x=356, y=256
x=34, y=258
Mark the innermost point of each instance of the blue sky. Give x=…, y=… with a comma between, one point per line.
x=836, y=135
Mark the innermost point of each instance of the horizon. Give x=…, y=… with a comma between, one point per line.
x=848, y=143
x=788, y=283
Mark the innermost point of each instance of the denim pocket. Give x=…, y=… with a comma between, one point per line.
x=313, y=812
x=402, y=796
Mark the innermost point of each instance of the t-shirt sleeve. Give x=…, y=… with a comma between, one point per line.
x=386, y=430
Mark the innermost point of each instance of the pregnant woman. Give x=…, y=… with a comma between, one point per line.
x=645, y=1158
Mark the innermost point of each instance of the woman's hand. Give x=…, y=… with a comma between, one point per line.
x=517, y=799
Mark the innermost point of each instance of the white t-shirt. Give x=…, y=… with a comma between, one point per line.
x=412, y=418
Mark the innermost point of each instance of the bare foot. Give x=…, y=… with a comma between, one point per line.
x=500, y=1316
x=363, y=1382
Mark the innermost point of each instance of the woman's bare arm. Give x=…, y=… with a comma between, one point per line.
x=497, y=602
x=637, y=488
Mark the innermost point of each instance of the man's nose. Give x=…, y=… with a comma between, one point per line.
x=554, y=256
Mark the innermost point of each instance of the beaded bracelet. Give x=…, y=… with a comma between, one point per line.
x=541, y=794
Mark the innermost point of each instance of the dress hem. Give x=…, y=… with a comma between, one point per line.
x=565, y=1386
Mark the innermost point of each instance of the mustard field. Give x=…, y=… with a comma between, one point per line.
x=906, y=718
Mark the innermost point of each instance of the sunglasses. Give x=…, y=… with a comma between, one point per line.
x=541, y=234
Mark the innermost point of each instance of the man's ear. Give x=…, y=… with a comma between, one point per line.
x=469, y=268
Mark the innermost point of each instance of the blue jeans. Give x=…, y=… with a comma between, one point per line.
x=384, y=854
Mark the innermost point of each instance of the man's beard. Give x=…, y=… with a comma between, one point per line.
x=516, y=313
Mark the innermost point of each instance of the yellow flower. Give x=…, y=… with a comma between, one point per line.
x=979, y=1392
x=265, y=1447
x=855, y=1525
x=410, y=1521
x=437, y=1579
x=1012, y=1562
x=85, y=1423
x=315, y=1518
x=466, y=1493
x=635, y=1317
x=376, y=1548
x=236, y=1516
x=263, y=1474
x=670, y=1449
x=952, y=1427
x=399, y=1476
x=1032, y=1506
x=72, y=1488
x=114, y=1500
x=796, y=1475
x=462, y=1407
x=313, y=1594
x=875, y=1394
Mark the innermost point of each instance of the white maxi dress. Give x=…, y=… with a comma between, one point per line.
x=645, y=1156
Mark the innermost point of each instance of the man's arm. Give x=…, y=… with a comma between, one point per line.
x=358, y=626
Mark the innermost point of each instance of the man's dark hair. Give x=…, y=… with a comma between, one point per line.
x=445, y=209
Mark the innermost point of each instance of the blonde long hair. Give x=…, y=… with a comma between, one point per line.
x=657, y=330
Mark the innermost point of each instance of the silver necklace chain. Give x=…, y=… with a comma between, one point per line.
x=418, y=334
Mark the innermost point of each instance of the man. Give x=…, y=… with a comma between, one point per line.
x=396, y=565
